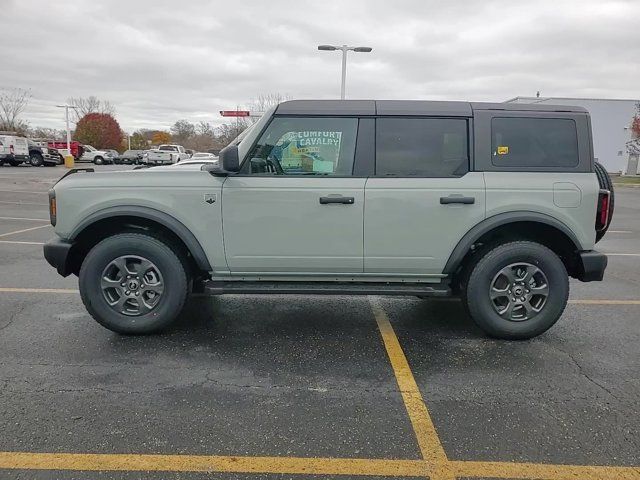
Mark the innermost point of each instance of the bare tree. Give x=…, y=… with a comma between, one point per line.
x=12, y=103
x=205, y=129
x=46, y=133
x=182, y=130
x=264, y=102
x=91, y=104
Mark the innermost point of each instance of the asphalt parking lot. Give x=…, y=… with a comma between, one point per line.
x=292, y=387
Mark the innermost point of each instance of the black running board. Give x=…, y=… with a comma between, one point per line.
x=326, y=288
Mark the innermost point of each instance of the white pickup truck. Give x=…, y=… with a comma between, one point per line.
x=165, y=154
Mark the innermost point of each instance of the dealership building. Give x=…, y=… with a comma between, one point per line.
x=610, y=122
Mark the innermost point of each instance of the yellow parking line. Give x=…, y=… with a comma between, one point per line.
x=211, y=463
x=428, y=440
x=537, y=471
x=23, y=230
x=36, y=290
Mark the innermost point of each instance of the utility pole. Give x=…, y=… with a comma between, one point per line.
x=344, y=49
x=66, y=114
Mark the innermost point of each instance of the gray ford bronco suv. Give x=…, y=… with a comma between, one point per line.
x=496, y=203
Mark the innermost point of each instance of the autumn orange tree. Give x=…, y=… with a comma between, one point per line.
x=160, y=137
x=99, y=130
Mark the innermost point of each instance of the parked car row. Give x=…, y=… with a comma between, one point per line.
x=15, y=150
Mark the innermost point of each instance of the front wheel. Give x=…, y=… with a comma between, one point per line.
x=36, y=160
x=517, y=290
x=133, y=283
x=98, y=160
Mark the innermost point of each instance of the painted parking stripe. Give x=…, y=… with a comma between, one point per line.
x=21, y=243
x=425, y=431
x=619, y=231
x=25, y=191
x=205, y=463
x=604, y=302
x=26, y=219
x=23, y=203
x=37, y=290
x=23, y=230
x=622, y=254
x=304, y=466
x=538, y=471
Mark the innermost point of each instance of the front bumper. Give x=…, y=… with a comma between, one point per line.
x=56, y=252
x=591, y=266
x=48, y=158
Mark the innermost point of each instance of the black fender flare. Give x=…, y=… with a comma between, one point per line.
x=177, y=227
x=488, y=224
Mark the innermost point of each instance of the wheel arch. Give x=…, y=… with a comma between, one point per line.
x=517, y=225
x=125, y=218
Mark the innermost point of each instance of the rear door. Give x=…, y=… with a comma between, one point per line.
x=423, y=198
x=20, y=147
x=296, y=207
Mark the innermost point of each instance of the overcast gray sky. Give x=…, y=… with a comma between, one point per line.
x=160, y=61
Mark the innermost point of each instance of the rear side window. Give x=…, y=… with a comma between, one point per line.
x=305, y=146
x=421, y=147
x=534, y=142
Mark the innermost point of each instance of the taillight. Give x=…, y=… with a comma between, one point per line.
x=53, y=208
x=602, y=218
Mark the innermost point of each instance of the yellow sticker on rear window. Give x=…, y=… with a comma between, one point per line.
x=503, y=150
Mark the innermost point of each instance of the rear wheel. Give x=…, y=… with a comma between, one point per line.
x=36, y=160
x=133, y=283
x=517, y=290
x=604, y=180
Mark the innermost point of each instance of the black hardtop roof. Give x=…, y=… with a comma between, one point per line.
x=409, y=107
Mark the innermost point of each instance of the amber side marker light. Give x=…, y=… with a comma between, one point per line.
x=53, y=210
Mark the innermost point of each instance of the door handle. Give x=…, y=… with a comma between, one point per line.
x=345, y=200
x=455, y=199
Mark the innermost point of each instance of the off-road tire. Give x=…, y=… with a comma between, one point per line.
x=476, y=289
x=36, y=160
x=170, y=263
x=604, y=180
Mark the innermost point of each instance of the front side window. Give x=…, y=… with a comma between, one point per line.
x=304, y=146
x=421, y=147
x=534, y=142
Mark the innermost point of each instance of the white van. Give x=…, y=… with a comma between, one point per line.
x=13, y=150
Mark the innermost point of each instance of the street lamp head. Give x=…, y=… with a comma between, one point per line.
x=326, y=47
x=363, y=49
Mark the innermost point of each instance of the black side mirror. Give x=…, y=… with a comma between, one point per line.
x=229, y=158
x=214, y=169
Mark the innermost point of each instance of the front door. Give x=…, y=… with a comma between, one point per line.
x=295, y=207
x=422, y=199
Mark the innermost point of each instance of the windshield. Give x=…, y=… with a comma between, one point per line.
x=89, y=148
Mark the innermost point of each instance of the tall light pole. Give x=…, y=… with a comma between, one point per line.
x=66, y=114
x=344, y=49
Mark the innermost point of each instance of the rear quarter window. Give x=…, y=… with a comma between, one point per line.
x=534, y=142
x=422, y=147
